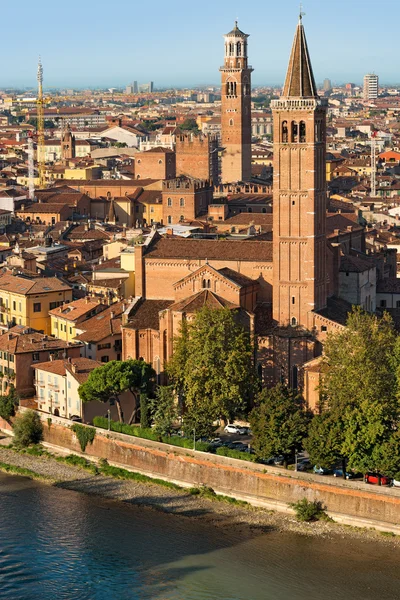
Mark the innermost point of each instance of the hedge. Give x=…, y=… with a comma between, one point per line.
x=223, y=451
x=149, y=434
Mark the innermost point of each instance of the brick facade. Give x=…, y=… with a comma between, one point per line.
x=197, y=156
x=185, y=199
x=236, y=109
x=158, y=163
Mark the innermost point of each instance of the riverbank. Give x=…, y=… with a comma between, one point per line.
x=172, y=499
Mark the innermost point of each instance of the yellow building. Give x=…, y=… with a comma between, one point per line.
x=64, y=319
x=27, y=302
x=86, y=173
x=151, y=201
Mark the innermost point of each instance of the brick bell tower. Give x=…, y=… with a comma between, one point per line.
x=236, y=108
x=299, y=193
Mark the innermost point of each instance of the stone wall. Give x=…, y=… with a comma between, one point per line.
x=257, y=483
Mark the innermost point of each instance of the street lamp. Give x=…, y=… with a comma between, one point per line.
x=194, y=438
x=109, y=419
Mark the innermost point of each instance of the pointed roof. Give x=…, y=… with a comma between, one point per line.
x=300, y=78
x=237, y=32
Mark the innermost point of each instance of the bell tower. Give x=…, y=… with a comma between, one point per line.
x=299, y=193
x=236, y=108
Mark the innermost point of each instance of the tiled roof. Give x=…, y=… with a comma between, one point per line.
x=246, y=218
x=341, y=222
x=17, y=342
x=102, y=325
x=47, y=207
x=203, y=298
x=74, y=310
x=355, y=264
x=238, y=278
x=25, y=286
x=300, y=78
x=388, y=286
x=189, y=249
x=146, y=316
x=337, y=310
x=78, y=367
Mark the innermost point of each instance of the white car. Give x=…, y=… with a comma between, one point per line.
x=396, y=483
x=232, y=429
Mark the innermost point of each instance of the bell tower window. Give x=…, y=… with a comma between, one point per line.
x=284, y=132
x=239, y=49
x=295, y=132
x=302, y=132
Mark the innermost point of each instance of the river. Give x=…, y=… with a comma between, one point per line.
x=57, y=544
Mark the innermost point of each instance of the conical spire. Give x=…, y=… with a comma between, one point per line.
x=300, y=78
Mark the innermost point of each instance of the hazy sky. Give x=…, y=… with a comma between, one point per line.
x=98, y=42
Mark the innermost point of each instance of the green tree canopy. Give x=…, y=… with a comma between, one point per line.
x=164, y=410
x=8, y=404
x=28, y=429
x=279, y=422
x=212, y=366
x=189, y=125
x=115, y=377
x=360, y=391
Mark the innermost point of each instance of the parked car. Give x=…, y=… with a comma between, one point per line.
x=230, y=428
x=239, y=446
x=349, y=474
x=377, y=479
x=396, y=483
x=76, y=419
x=318, y=470
x=304, y=464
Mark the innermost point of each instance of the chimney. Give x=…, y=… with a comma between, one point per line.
x=112, y=314
x=51, y=357
x=69, y=359
x=74, y=367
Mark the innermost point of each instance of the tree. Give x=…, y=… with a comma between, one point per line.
x=8, y=404
x=145, y=420
x=360, y=386
x=28, y=429
x=189, y=125
x=212, y=368
x=111, y=380
x=279, y=423
x=164, y=410
x=324, y=440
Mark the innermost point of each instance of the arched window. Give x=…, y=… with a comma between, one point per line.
x=239, y=49
x=264, y=210
x=295, y=131
x=160, y=162
x=250, y=210
x=231, y=122
x=302, y=132
x=181, y=218
x=295, y=373
x=294, y=321
x=169, y=219
x=169, y=202
x=182, y=202
x=284, y=132
x=209, y=283
x=231, y=49
x=204, y=284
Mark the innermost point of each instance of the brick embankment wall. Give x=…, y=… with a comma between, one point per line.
x=230, y=476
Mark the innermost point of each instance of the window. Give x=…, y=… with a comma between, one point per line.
x=169, y=219
x=284, y=132
x=293, y=300
x=14, y=305
x=302, y=132
x=397, y=303
x=41, y=393
x=104, y=359
x=55, y=324
x=182, y=202
x=70, y=330
x=169, y=202
x=231, y=122
x=89, y=346
x=11, y=357
x=5, y=355
x=294, y=377
x=383, y=304
x=324, y=328
x=295, y=131
x=69, y=401
x=69, y=385
x=294, y=321
x=37, y=307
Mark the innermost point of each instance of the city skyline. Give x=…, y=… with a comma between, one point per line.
x=89, y=49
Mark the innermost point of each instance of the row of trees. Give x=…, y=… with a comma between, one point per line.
x=359, y=417
x=212, y=378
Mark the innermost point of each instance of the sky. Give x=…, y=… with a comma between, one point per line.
x=98, y=43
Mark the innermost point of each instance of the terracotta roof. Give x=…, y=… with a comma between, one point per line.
x=300, y=78
x=236, y=277
x=42, y=208
x=355, y=264
x=388, y=286
x=102, y=325
x=342, y=222
x=189, y=249
x=246, y=218
x=16, y=341
x=25, y=286
x=113, y=283
x=75, y=310
x=337, y=310
x=150, y=197
x=203, y=298
x=79, y=368
x=146, y=316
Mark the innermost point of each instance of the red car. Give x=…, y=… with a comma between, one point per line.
x=376, y=479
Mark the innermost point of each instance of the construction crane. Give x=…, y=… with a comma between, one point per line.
x=40, y=128
x=373, y=164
